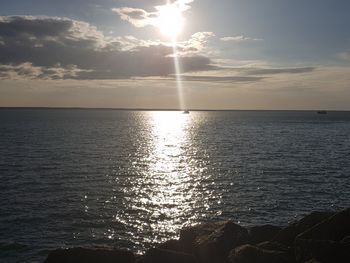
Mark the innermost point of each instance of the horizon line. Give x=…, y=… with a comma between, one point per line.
x=157, y=109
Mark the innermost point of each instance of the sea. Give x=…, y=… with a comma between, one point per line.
x=133, y=179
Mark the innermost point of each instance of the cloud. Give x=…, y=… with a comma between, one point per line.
x=45, y=42
x=228, y=79
x=136, y=16
x=344, y=56
x=196, y=42
x=324, y=88
x=28, y=71
x=60, y=48
x=141, y=18
x=271, y=71
x=239, y=74
x=240, y=38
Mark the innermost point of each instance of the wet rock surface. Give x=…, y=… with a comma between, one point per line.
x=319, y=237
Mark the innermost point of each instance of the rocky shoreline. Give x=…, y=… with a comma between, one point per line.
x=317, y=237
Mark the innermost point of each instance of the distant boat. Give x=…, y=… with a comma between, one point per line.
x=186, y=112
x=322, y=112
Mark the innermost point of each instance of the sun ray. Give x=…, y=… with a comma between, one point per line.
x=170, y=23
x=178, y=78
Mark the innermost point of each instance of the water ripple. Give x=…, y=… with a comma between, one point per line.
x=133, y=179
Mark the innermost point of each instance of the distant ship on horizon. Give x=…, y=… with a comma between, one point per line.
x=321, y=112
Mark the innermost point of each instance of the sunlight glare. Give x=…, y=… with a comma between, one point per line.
x=170, y=21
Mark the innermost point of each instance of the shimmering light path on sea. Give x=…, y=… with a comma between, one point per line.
x=170, y=193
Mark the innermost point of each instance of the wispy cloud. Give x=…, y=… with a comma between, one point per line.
x=196, y=43
x=344, y=55
x=136, y=16
x=240, y=38
x=273, y=71
x=226, y=79
x=240, y=74
x=29, y=71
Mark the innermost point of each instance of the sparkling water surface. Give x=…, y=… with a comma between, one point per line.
x=132, y=179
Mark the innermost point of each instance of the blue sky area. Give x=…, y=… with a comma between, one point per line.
x=239, y=54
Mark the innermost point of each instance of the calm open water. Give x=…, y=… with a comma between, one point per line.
x=131, y=179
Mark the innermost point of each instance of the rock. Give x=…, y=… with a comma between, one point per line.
x=253, y=254
x=320, y=237
x=156, y=255
x=216, y=246
x=172, y=244
x=189, y=235
x=325, y=251
x=269, y=245
x=87, y=255
x=325, y=241
x=328, y=241
x=139, y=258
x=346, y=240
x=259, y=234
x=211, y=242
x=334, y=228
x=312, y=261
x=287, y=235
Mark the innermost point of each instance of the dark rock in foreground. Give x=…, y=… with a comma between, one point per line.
x=87, y=255
x=216, y=246
x=156, y=255
x=320, y=237
x=327, y=241
x=259, y=234
x=190, y=236
x=174, y=245
x=287, y=235
x=253, y=254
x=270, y=245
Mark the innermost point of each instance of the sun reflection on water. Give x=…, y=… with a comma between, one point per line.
x=167, y=192
x=169, y=171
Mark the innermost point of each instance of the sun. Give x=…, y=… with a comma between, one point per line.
x=170, y=21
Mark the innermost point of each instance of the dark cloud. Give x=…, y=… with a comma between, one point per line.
x=12, y=27
x=42, y=43
x=60, y=48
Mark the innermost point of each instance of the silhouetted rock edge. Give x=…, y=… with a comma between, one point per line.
x=322, y=237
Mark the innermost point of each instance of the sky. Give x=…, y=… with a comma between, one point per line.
x=158, y=54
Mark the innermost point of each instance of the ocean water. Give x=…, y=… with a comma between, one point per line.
x=132, y=179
